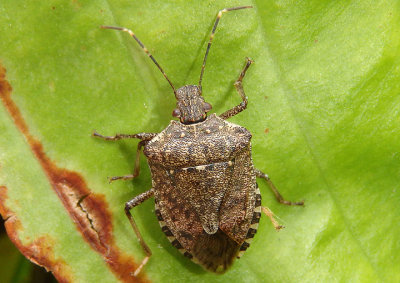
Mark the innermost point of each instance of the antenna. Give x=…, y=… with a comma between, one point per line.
x=144, y=49
x=219, y=15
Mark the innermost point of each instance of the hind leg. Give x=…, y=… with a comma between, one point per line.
x=128, y=206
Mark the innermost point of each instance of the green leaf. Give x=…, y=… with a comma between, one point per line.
x=323, y=110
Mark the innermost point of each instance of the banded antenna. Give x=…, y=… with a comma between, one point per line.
x=219, y=15
x=144, y=49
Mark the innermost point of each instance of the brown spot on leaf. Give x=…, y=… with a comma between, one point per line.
x=266, y=130
x=39, y=251
x=89, y=211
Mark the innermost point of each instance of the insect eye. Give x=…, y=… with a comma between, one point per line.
x=207, y=106
x=176, y=113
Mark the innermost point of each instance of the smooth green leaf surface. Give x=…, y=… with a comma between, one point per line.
x=323, y=109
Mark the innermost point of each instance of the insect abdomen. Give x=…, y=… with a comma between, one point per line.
x=214, y=252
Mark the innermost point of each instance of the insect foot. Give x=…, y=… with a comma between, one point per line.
x=207, y=200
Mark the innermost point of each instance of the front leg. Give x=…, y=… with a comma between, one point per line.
x=239, y=87
x=140, y=136
x=144, y=137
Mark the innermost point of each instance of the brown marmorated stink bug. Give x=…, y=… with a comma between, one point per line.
x=207, y=200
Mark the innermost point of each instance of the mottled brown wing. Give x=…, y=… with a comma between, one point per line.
x=237, y=208
x=179, y=210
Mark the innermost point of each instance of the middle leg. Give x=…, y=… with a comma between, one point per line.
x=144, y=137
x=136, y=169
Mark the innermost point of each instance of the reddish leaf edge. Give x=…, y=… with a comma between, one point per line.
x=40, y=250
x=88, y=211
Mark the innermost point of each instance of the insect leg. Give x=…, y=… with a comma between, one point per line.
x=239, y=87
x=278, y=196
x=144, y=137
x=128, y=206
x=136, y=169
x=141, y=136
x=270, y=215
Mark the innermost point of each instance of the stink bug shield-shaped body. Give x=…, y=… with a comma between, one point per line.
x=206, y=197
